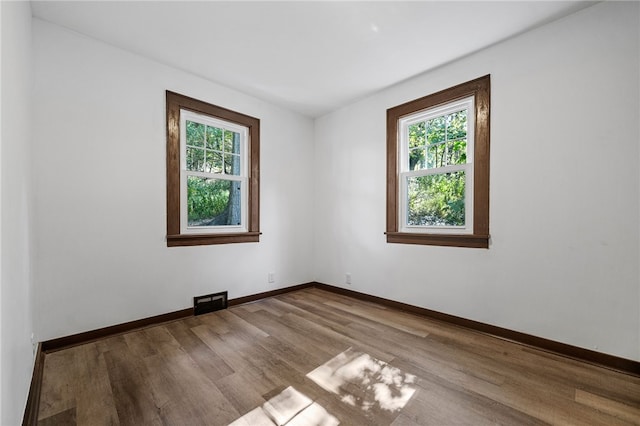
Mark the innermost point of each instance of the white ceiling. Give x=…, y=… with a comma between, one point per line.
x=311, y=57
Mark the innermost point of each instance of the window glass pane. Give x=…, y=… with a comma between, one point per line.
x=214, y=138
x=435, y=156
x=436, y=200
x=236, y=144
x=195, y=159
x=417, y=159
x=445, y=138
x=231, y=142
x=232, y=164
x=214, y=162
x=417, y=135
x=457, y=125
x=457, y=152
x=436, y=130
x=213, y=202
x=195, y=134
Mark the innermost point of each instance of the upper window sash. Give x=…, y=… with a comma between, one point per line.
x=431, y=113
x=186, y=115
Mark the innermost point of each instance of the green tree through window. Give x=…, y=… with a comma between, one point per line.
x=209, y=149
x=437, y=199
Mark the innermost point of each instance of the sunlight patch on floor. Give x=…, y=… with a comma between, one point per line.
x=363, y=381
x=290, y=408
x=357, y=378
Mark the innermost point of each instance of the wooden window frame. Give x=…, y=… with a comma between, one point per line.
x=480, y=89
x=175, y=102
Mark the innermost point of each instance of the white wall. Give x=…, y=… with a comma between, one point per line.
x=99, y=173
x=16, y=305
x=563, y=263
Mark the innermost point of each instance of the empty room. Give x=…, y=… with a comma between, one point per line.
x=320, y=213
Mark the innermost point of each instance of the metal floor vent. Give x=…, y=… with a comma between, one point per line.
x=209, y=303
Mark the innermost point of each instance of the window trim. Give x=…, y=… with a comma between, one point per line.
x=186, y=115
x=480, y=89
x=174, y=103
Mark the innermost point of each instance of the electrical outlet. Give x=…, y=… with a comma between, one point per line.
x=271, y=277
x=347, y=278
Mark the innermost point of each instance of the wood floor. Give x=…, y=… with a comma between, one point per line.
x=313, y=357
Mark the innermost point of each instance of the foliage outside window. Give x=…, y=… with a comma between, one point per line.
x=438, y=168
x=212, y=174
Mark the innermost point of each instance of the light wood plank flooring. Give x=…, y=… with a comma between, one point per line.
x=314, y=357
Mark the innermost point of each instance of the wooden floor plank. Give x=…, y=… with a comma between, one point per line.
x=58, y=393
x=67, y=418
x=162, y=386
x=337, y=321
x=298, y=358
x=215, y=368
x=240, y=393
x=232, y=349
x=439, y=405
x=95, y=402
x=129, y=386
x=317, y=351
x=209, y=362
x=609, y=406
x=382, y=316
x=201, y=399
x=140, y=344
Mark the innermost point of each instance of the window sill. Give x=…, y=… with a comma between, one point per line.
x=450, y=240
x=209, y=239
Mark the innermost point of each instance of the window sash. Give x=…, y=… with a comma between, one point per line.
x=405, y=174
x=437, y=229
x=243, y=177
x=213, y=122
x=184, y=219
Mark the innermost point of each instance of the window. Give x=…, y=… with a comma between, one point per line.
x=438, y=168
x=212, y=174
